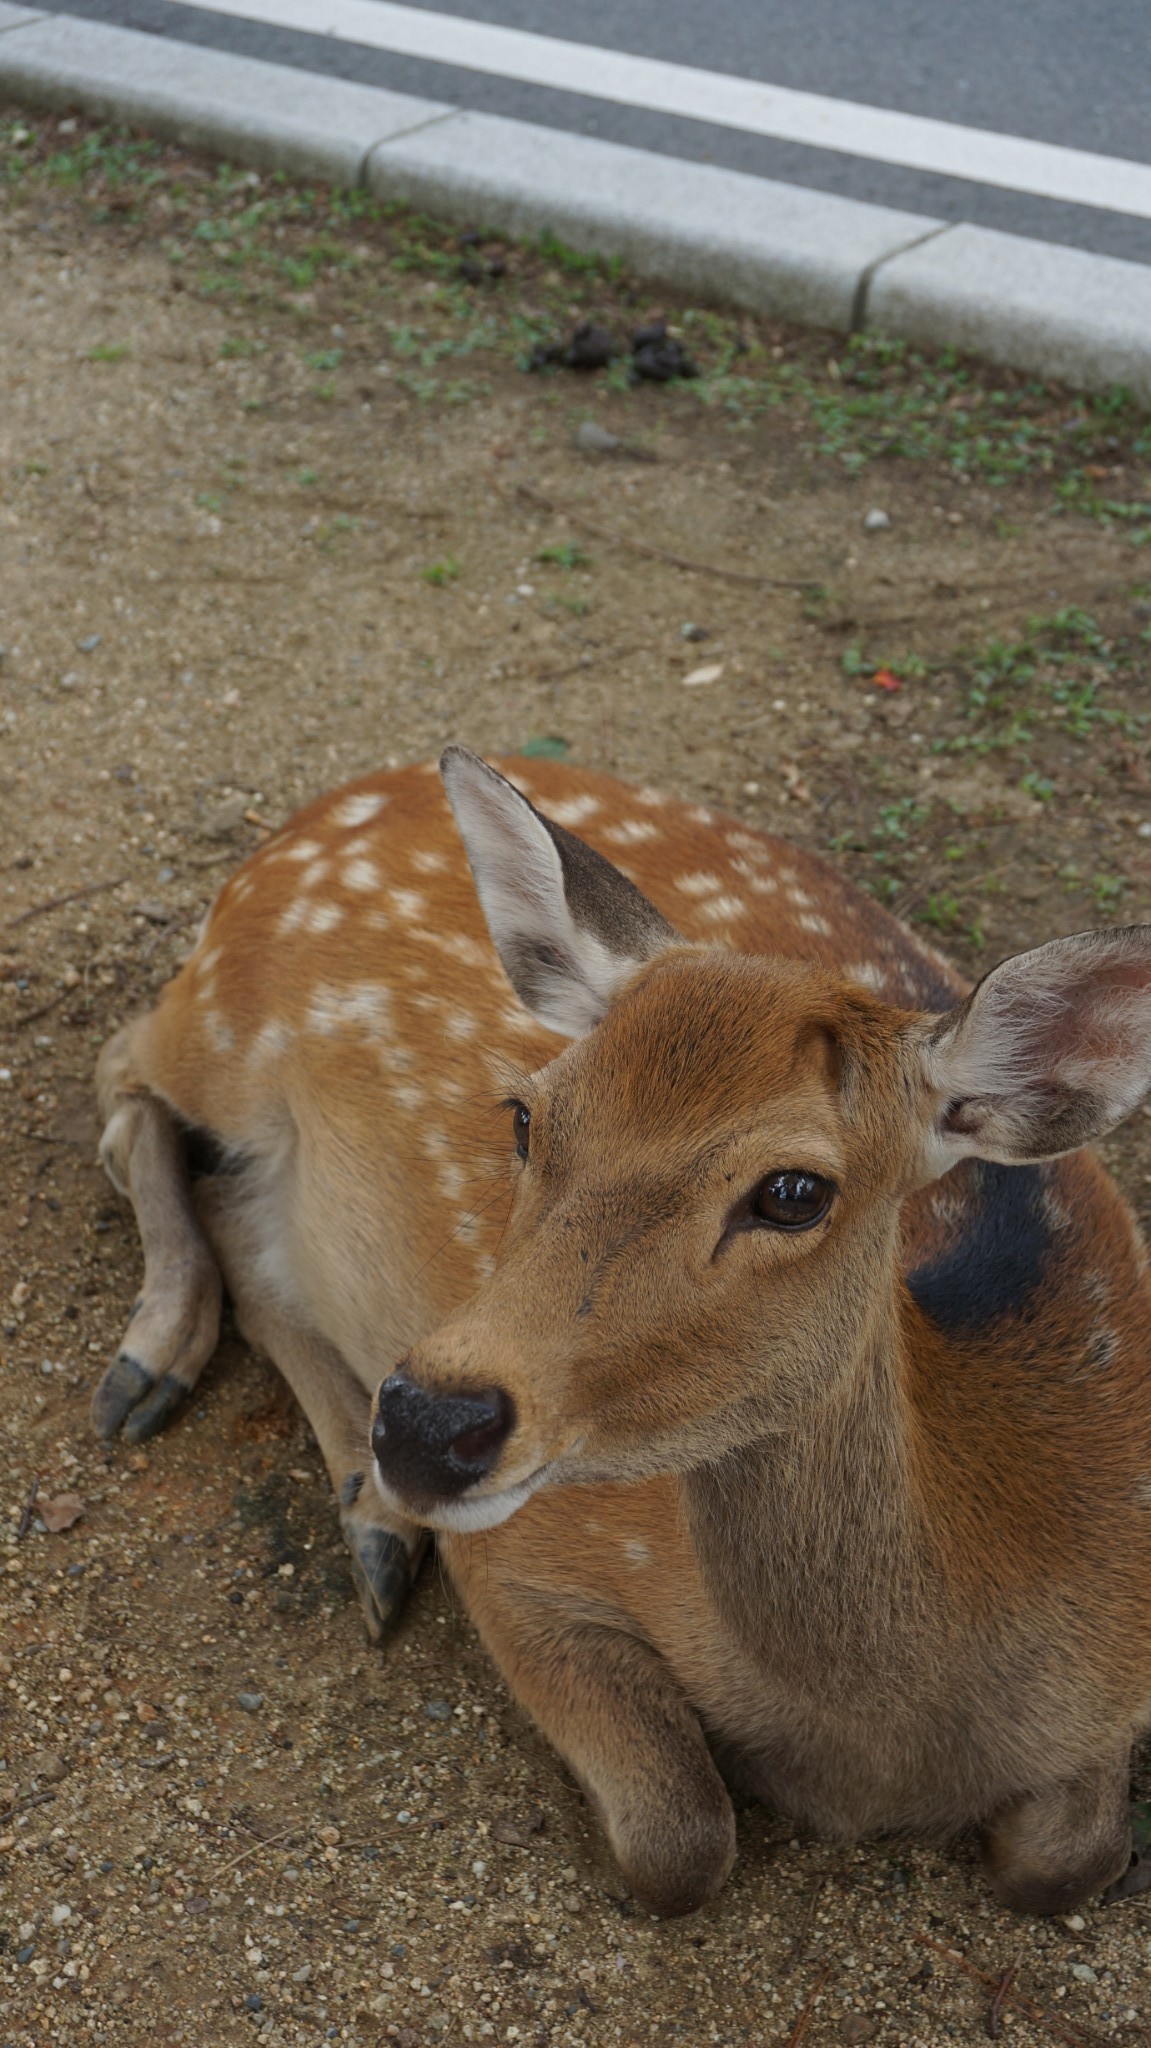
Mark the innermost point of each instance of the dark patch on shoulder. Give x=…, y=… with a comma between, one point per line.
x=999, y=1255
x=206, y=1155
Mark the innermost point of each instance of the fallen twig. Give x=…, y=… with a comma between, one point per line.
x=282, y=1834
x=33, y=1016
x=26, y=1805
x=996, y=2008
x=645, y=547
x=58, y=902
x=1066, y=2030
x=29, y=1509
x=803, y=2022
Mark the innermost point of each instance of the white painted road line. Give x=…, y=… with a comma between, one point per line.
x=1044, y=169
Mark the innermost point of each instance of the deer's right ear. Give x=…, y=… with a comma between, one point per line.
x=568, y=927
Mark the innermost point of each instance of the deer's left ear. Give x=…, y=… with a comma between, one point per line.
x=568, y=927
x=1050, y=1051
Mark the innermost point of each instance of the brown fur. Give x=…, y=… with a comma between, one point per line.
x=899, y=1573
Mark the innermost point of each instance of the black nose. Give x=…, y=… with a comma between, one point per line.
x=434, y=1446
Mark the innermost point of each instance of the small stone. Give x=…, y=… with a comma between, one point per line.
x=700, y=677
x=301, y=1975
x=438, y=1710
x=89, y=645
x=253, y=2002
x=1083, y=1973
x=875, y=521
x=70, y=680
x=858, y=2028
x=329, y=1836
x=47, y=1766
x=156, y=913
x=592, y=439
x=60, y=1914
x=1075, y=1922
x=693, y=632
x=250, y=1701
x=1143, y=831
x=25, y=1954
x=21, y=1292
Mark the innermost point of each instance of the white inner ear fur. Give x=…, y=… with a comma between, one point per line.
x=519, y=881
x=1067, y=1023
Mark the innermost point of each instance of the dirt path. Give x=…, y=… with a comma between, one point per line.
x=279, y=503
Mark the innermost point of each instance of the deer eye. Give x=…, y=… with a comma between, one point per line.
x=791, y=1200
x=521, y=1127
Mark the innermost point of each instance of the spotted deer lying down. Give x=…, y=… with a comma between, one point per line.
x=771, y=1363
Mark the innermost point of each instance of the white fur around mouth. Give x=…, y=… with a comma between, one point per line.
x=464, y=1517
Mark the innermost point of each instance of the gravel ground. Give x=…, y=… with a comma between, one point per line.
x=278, y=503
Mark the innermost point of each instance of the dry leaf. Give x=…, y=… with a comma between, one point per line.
x=519, y=1832
x=61, y=1512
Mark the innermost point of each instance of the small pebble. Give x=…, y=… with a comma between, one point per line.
x=439, y=1710
x=710, y=673
x=70, y=679
x=89, y=645
x=875, y=521
x=254, y=2002
x=1143, y=831
x=1083, y=1973
x=250, y=1701
x=25, y=1955
x=60, y=1914
x=693, y=632
x=1075, y=1922
x=593, y=439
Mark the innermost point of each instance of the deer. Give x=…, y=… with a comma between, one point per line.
x=635, y=1205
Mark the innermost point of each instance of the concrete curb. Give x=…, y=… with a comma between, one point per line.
x=773, y=248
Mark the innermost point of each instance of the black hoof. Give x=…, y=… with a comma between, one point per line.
x=129, y=1399
x=383, y=1574
x=123, y=1385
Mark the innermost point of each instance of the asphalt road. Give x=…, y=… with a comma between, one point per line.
x=1053, y=71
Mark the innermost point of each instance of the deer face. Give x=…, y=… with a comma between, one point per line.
x=693, y=1251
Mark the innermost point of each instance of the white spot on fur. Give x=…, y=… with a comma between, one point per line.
x=293, y=917
x=867, y=972
x=701, y=815
x=574, y=810
x=409, y=1095
x=699, y=884
x=361, y=875
x=452, y=1180
x=809, y=922
x=461, y=1025
x=636, y=1553
x=307, y=850
x=746, y=842
x=323, y=917
x=632, y=832
x=799, y=899
x=650, y=797
x=722, y=907
x=364, y=1007
x=435, y=1143
x=219, y=1031
x=408, y=902
x=763, y=885
x=378, y=920
x=429, y=862
x=205, y=962
x=358, y=809
x=272, y=1039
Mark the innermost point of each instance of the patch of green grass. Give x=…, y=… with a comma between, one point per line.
x=443, y=572
x=325, y=359
x=109, y=352
x=1053, y=673
x=565, y=555
x=241, y=345
x=307, y=477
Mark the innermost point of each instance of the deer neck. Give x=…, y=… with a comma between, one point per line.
x=808, y=1540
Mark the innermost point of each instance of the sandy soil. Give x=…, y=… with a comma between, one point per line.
x=271, y=513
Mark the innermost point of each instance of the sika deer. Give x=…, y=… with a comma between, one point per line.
x=804, y=1409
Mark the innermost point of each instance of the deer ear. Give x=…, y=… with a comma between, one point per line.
x=1052, y=1049
x=568, y=927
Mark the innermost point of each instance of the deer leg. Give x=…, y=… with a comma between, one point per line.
x=614, y=1710
x=385, y=1551
x=174, y=1326
x=1052, y=1850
